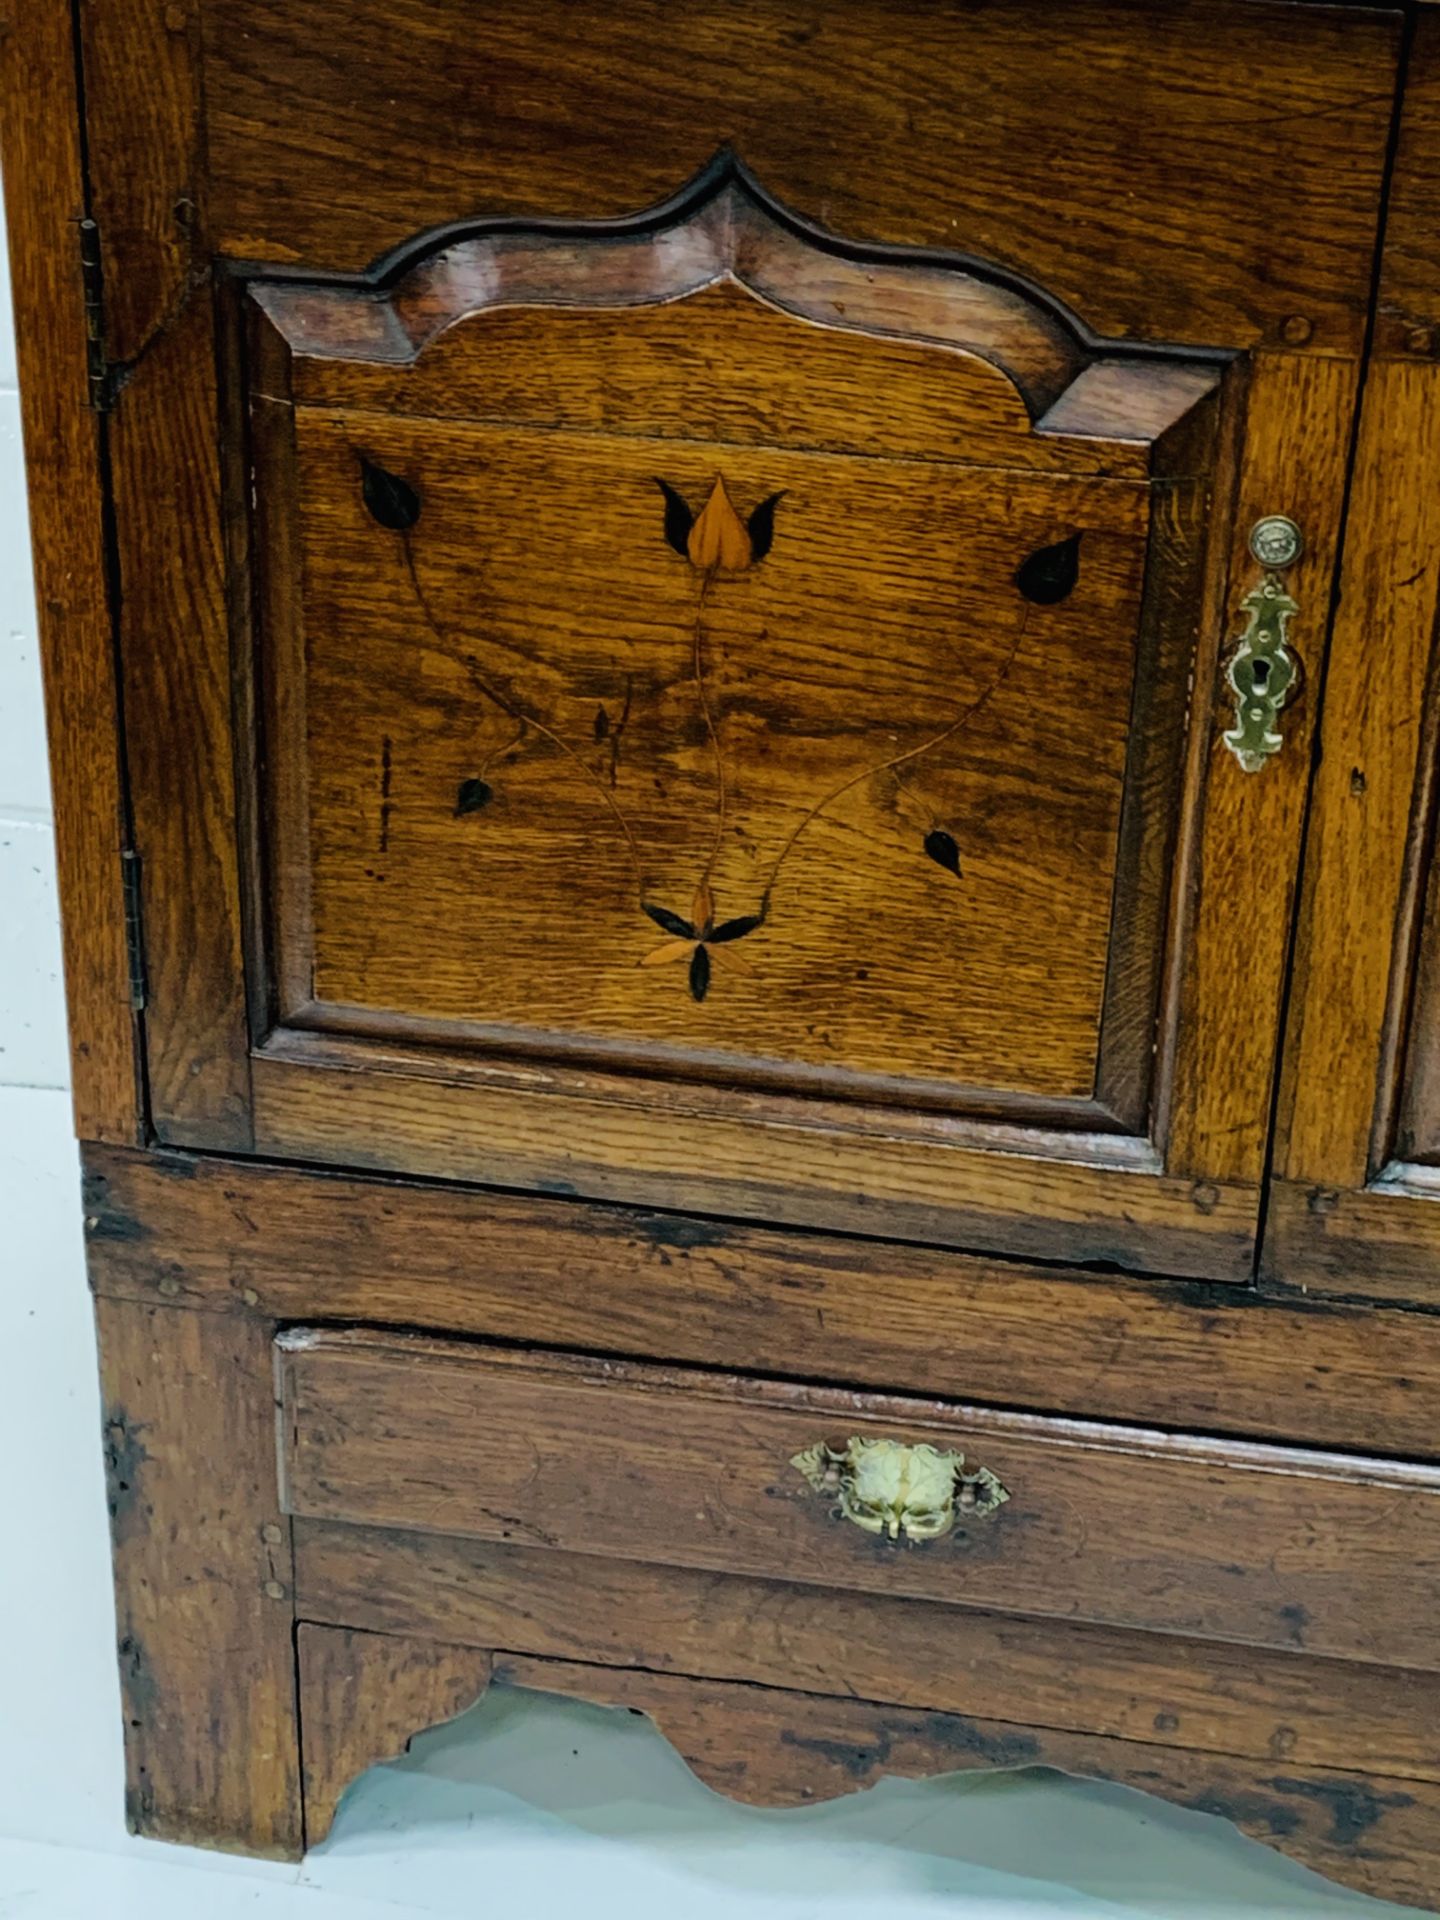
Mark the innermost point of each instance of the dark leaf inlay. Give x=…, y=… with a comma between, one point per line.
x=678, y=519
x=761, y=525
x=735, y=929
x=669, y=922
x=391, y=500
x=943, y=850
x=473, y=795
x=699, y=974
x=1050, y=573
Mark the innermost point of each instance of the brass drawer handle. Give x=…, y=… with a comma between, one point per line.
x=889, y=1488
x=1262, y=671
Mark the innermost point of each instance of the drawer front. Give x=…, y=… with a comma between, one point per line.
x=1258, y=1545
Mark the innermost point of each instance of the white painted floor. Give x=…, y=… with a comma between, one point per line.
x=527, y=1805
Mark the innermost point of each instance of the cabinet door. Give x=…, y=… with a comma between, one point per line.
x=706, y=678
x=1356, y=1202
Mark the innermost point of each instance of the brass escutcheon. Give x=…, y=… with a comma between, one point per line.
x=1263, y=670
x=892, y=1489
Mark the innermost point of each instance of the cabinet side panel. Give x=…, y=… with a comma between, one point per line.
x=44, y=194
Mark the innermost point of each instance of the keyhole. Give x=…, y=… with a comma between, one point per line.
x=1260, y=674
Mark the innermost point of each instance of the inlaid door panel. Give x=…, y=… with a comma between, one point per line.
x=728, y=720
x=545, y=750
x=676, y=609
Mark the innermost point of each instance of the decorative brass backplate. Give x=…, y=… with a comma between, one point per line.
x=889, y=1488
x=1262, y=672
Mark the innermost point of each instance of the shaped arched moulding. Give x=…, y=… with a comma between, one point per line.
x=364, y=1696
x=724, y=229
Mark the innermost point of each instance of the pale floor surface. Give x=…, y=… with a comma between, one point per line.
x=527, y=1805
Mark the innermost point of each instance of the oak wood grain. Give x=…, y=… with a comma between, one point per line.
x=1354, y=947
x=231, y=1237
x=175, y=647
x=727, y=237
x=764, y=1747
x=362, y=1696
x=1245, y=862
x=958, y=131
x=146, y=141
x=1256, y=1545
x=992, y=273
x=769, y=1747
x=1036, y=1193
x=1379, y=1243
x=1156, y=1688
x=885, y=614
x=203, y=1581
x=706, y=361
x=44, y=199
x=398, y=656
x=1407, y=312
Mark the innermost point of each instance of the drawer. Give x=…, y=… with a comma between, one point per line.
x=1251, y=1544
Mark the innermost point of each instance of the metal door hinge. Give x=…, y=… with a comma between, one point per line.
x=92, y=278
x=134, y=927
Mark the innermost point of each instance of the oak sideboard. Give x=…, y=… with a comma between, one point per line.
x=743, y=703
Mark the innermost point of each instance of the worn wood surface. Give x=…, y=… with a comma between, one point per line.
x=1351, y=1215
x=769, y=1747
x=962, y=130
x=1379, y=1244
x=1118, y=828
x=391, y=941
x=44, y=201
x=877, y=972
x=1358, y=1090
x=362, y=1697
x=1150, y=1687
x=146, y=138
x=176, y=652
x=896, y=875
x=624, y=721
x=1407, y=316
x=1257, y=1545
x=203, y=1580
x=549, y=303
x=1355, y=937
x=236, y=1238
x=1146, y=200
x=844, y=1168
x=1245, y=861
